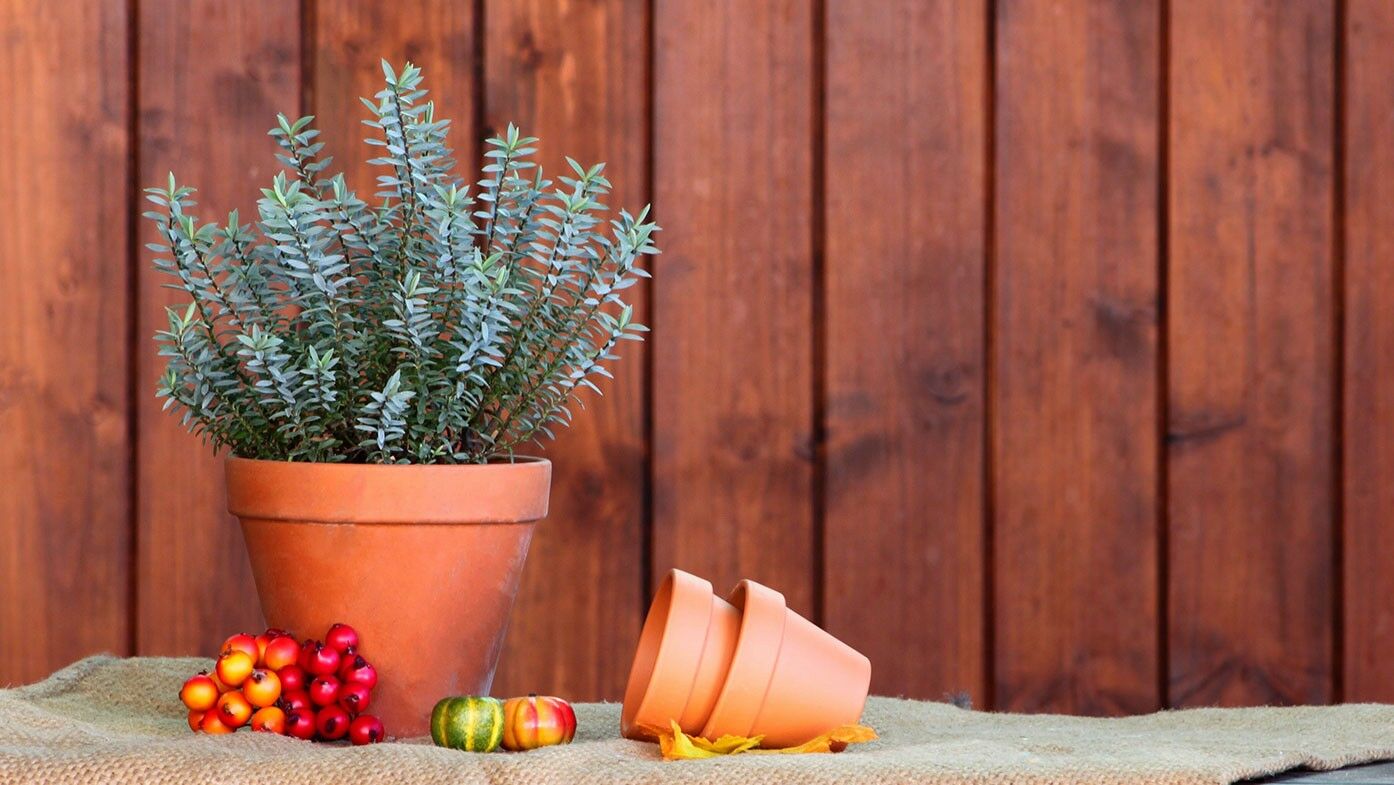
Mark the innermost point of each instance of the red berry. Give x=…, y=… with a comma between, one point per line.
x=303, y=658
x=332, y=723
x=300, y=724
x=318, y=659
x=324, y=690
x=358, y=671
x=354, y=698
x=293, y=678
x=295, y=700
x=341, y=638
x=366, y=729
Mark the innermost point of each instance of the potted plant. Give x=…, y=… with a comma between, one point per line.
x=375, y=369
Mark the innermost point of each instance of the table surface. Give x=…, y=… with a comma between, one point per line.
x=1372, y=774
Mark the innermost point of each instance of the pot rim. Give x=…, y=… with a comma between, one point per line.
x=373, y=493
x=517, y=459
x=668, y=654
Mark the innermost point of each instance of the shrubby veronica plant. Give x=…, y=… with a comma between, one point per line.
x=434, y=327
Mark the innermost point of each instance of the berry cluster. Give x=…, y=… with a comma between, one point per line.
x=311, y=690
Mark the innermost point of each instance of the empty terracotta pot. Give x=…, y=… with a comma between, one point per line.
x=423, y=560
x=789, y=680
x=684, y=652
x=784, y=678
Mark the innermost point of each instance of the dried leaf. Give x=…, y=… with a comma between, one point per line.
x=835, y=740
x=676, y=745
x=729, y=744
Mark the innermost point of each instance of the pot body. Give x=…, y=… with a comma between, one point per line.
x=789, y=680
x=423, y=560
x=744, y=666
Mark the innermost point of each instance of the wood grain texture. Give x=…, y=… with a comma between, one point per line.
x=989, y=370
x=1251, y=360
x=733, y=294
x=1074, y=390
x=573, y=74
x=213, y=75
x=351, y=37
x=1369, y=352
x=905, y=214
x=64, y=309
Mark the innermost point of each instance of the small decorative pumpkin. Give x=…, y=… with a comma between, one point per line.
x=472, y=724
x=532, y=722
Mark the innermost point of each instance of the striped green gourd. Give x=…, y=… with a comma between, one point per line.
x=469, y=723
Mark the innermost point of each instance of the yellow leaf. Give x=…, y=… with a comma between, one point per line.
x=728, y=744
x=676, y=745
x=835, y=740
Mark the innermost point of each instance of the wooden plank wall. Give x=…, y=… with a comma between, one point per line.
x=209, y=73
x=1366, y=354
x=1039, y=348
x=906, y=118
x=1074, y=364
x=1251, y=332
x=65, y=340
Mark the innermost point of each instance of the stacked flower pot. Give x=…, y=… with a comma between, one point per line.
x=743, y=665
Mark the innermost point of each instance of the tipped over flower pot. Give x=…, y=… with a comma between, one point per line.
x=745, y=666
x=423, y=560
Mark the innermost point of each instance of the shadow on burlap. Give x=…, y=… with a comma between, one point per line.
x=114, y=720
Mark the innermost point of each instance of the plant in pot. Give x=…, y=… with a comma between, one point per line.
x=375, y=369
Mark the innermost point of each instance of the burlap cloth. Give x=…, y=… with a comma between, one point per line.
x=114, y=720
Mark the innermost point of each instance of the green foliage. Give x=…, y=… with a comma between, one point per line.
x=438, y=326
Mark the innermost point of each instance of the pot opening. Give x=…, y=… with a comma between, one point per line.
x=646, y=656
x=737, y=597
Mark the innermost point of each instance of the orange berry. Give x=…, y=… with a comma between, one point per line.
x=217, y=682
x=234, y=710
x=243, y=642
x=234, y=668
x=262, y=688
x=212, y=724
x=280, y=652
x=269, y=719
x=199, y=693
x=195, y=719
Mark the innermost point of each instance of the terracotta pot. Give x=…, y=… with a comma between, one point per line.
x=789, y=680
x=423, y=560
x=684, y=652
x=783, y=678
